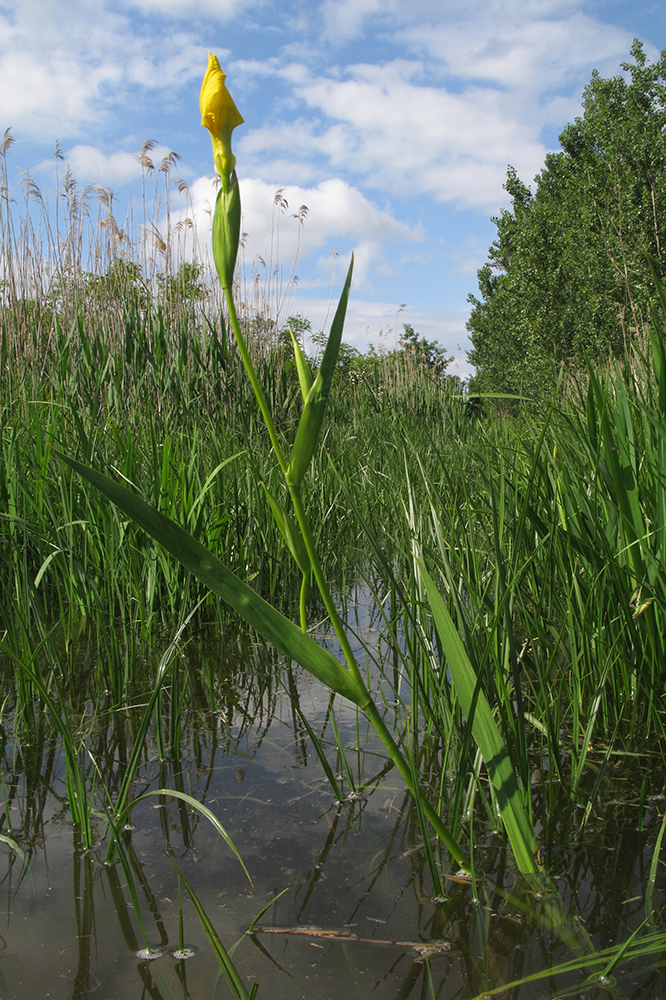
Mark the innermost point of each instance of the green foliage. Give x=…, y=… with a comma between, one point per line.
x=424, y=353
x=122, y=282
x=486, y=732
x=417, y=368
x=186, y=286
x=571, y=272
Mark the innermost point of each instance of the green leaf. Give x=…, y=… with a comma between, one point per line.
x=11, y=843
x=291, y=533
x=486, y=733
x=312, y=417
x=199, y=807
x=226, y=231
x=231, y=974
x=196, y=558
x=302, y=367
x=651, y=946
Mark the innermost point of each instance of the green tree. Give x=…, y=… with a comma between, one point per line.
x=184, y=287
x=424, y=353
x=571, y=272
x=120, y=287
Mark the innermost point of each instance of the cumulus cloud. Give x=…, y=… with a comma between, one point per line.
x=69, y=67
x=344, y=20
x=287, y=226
x=402, y=137
x=483, y=82
x=530, y=55
x=90, y=164
x=42, y=79
x=472, y=90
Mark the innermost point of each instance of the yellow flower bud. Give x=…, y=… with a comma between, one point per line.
x=220, y=116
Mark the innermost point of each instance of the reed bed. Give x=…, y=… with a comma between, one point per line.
x=551, y=567
x=541, y=532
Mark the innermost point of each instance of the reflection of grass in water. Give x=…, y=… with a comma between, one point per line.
x=456, y=911
x=651, y=945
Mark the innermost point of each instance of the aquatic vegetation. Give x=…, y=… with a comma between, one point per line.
x=220, y=116
x=510, y=676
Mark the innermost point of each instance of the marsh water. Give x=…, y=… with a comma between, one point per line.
x=355, y=913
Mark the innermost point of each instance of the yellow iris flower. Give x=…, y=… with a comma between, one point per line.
x=220, y=116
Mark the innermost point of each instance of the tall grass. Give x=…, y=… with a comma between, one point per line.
x=108, y=363
x=554, y=577
x=550, y=558
x=541, y=533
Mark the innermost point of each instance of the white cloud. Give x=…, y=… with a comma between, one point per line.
x=337, y=217
x=166, y=63
x=344, y=20
x=70, y=66
x=43, y=80
x=401, y=137
x=90, y=164
x=484, y=79
x=521, y=53
x=381, y=323
x=222, y=9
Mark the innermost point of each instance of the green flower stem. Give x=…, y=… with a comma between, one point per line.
x=294, y=491
x=369, y=708
x=373, y=715
x=301, y=605
x=254, y=381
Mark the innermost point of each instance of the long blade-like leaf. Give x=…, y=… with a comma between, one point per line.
x=195, y=557
x=312, y=417
x=302, y=367
x=290, y=532
x=486, y=732
x=229, y=970
x=199, y=807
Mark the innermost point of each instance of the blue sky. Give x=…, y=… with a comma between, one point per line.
x=393, y=121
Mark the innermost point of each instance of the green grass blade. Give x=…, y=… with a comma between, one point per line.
x=312, y=417
x=652, y=877
x=319, y=750
x=651, y=945
x=11, y=843
x=195, y=804
x=231, y=974
x=486, y=733
x=256, y=920
x=115, y=825
x=617, y=957
x=302, y=367
x=210, y=479
x=290, y=532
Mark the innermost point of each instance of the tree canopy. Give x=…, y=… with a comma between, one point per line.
x=573, y=267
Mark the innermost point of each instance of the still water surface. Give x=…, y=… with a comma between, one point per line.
x=358, y=918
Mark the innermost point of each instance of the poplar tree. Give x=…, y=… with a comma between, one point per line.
x=572, y=270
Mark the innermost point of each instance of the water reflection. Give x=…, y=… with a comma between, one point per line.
x=360, y=918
